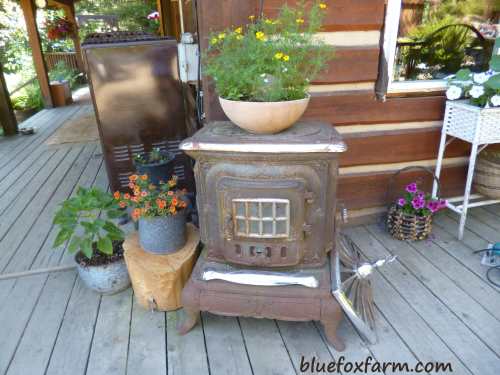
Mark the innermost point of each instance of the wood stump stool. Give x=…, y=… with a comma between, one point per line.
x=158, y=279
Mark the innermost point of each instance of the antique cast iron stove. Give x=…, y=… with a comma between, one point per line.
x=266, y=206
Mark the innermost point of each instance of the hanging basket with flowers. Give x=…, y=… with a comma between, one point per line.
x=410, y=217
x=161, y=212
x=59, y=28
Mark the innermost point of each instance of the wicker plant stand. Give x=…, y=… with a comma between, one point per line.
x=158, y=279
x=478, y=126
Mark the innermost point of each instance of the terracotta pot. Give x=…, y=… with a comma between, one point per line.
x=264, y=117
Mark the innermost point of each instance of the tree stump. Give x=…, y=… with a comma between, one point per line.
x=158, y=279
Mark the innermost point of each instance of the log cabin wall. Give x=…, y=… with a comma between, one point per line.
x=382, y=136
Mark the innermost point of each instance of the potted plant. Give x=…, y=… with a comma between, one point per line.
x=85, y=220
x=262, y=70
x=410, y=217
x=59, y=28
x=156, y=164
x=160, y=211
x=478, y=115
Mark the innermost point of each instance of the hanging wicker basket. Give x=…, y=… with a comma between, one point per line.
x=408, y=227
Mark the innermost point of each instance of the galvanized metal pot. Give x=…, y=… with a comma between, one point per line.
x=109, y=278
x=163, y=235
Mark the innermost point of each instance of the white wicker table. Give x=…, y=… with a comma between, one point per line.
x=478, y=126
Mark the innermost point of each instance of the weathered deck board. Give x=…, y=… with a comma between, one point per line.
x=434, y=303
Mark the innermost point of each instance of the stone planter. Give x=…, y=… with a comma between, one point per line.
x=163, y=235
x=108, y=279
x=264, y=117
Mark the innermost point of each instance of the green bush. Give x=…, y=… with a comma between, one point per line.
x=62, y=72
x=29, y=97
x=269, y=59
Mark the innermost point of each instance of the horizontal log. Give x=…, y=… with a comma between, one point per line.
x=363, y=108
x=397, y=146
x=371, y=189
x=341, y=14
x=358, y=64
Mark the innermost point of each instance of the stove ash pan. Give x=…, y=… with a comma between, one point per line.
x=267, y=200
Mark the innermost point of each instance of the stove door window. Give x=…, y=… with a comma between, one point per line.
x=261, y=218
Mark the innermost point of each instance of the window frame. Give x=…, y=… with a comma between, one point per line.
x=391, y=27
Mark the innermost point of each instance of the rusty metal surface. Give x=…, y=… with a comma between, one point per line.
x=303, y=137
x=306, y=181
x=139, y=104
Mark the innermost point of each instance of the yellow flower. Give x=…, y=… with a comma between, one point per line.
x=278, y=55
x=269, y=21
x=239, y=37
x=251, y=18
x=260, y=35
x=238, y=30
x=221, y=36
x=322, y=6
x=214, y=41
x=299, y=21
x=286, y=58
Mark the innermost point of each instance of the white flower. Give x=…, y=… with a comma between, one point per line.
x=453, y=93
x=481, y=78
x=495, y=100
x=476, y=91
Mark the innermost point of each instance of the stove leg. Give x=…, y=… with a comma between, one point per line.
x=191, y=317
x=332, y=315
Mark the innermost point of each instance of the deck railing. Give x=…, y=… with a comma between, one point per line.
x=52, y=58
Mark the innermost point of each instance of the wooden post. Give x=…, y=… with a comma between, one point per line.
x=69, y=11
x=7, y=118
x=29, y=11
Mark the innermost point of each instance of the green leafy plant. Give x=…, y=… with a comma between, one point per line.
x=85, y=220
x=62, y=72
x=269, y=59
x=154, y=156
x=30, y=97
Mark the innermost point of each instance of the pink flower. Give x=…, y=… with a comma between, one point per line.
x=144, y=193
x=433, y=206
x=401, y=202
x=154, y=16
x=421, y=195
x=412, y=188
x=417, y=203
x=442, y=203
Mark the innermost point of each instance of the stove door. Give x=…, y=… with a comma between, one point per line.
x=262, y=221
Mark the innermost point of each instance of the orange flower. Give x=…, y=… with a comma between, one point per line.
x=161, y=203
x=133, y=177
x=126, y=196
x=136, y=213
x=137, y=190
x=134, y=199
x=175, y=201
x=122, y=204
x=170, y=193
x=144, y=194
x=144, y=177
x=131, y=185
x=172, y=210
x=117, y=195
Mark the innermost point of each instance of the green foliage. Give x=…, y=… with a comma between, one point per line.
x=269, y=59
x=85, y=220
x=132, y=15
x=29, y=97
x=155, y=156
x=62, y=72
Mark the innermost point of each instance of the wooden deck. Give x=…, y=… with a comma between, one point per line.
x=434, y=302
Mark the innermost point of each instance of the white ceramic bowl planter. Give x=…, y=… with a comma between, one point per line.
x=264, y=117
